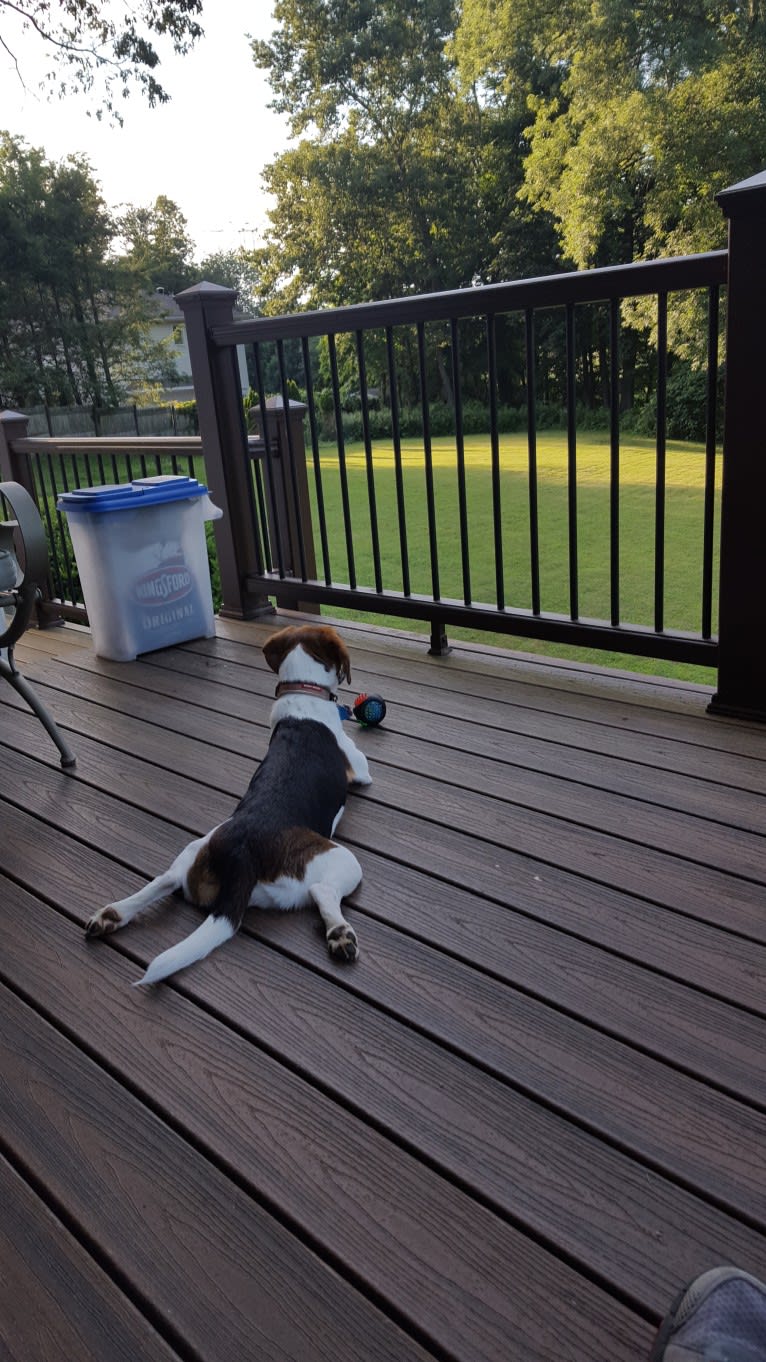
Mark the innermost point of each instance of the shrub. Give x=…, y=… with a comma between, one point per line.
x=686, y=407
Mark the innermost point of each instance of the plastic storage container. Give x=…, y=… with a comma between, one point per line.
x=142, y=557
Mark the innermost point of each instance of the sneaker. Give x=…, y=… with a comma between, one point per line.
x=719, y=1317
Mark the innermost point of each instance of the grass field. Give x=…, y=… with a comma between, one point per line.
x=683, y=532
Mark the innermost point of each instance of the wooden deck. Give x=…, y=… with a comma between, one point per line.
x=533, y=1109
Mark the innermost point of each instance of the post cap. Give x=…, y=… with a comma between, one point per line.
x=205, y=292
x=747, y=196
x=276, y=404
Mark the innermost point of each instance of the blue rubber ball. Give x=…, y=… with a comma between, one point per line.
x=369, y=710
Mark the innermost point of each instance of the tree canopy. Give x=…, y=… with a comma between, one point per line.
x=399, y=183
x=103, y=50
x=74, y=319
x=158, y=247
x=638, y=114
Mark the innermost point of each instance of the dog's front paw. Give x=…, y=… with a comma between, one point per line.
x=106, y=920
x=342, y=943
x=361, y=771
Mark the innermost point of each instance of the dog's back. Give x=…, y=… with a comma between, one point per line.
x=287, y=814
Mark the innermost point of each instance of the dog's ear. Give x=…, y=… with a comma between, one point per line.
x=276, y=648
x=326, y=646
x=343, y=663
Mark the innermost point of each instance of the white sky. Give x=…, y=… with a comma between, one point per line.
x=204, y=149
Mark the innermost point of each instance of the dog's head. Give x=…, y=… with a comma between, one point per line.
x=321, y=643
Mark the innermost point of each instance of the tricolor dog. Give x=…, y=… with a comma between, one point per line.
x=276, y=849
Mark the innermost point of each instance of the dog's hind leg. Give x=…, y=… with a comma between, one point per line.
x=119, y=914
x=329, y=878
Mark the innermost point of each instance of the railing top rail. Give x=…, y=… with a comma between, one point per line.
x=580, y=286
x=108, y=444
x=117, y=444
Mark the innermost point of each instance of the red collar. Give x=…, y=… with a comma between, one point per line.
x=303, y=688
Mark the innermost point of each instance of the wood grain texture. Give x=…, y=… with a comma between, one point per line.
x=478, y=1130
x=409, y=1234
x=55, y=1302
x=224, y=1276
x=532, y=1110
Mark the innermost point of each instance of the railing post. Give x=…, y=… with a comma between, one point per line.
x=281, y=465
x=742, y=610
x=224, y=445
x=15, y=467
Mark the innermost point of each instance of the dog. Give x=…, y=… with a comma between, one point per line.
x=277, y=849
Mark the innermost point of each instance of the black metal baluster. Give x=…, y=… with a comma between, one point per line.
x=362, y=367
x=341, y=445
x=62, y=526
x=433, y=539
x=257, y=512
x=397, y=441
x=297, y=518
x=574, y=606
x=534, y=533
x=614, y=461
x=660, y=485
x=710, y=448
x=495, y=448
x=44, y=501
x=316, y=461
x=460, y=447
x=263, y=543
x=276, y=535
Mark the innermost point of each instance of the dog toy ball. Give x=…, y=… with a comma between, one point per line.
x=368, y=710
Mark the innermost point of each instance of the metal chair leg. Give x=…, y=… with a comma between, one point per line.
x=7, y=670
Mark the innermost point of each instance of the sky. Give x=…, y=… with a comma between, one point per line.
x=204, y=149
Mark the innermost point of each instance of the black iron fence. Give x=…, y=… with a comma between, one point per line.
x=47, y=467
x=398, y=523
x=403, y=526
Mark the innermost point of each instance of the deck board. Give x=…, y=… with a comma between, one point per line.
x=54, y=1300
x=531, y=1111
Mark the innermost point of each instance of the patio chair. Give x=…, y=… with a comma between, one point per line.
x=19, y=594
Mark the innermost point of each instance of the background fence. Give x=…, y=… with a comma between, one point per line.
x=168, y=419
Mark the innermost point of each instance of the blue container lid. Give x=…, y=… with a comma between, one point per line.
x=125, y=496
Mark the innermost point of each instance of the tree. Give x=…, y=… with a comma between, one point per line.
x=640, y=113
x=239, y=269
x=102, y=50
x=638, y=116
x=402, y=183
x=73, y=326
x=159, y=249
x=359, y=202
x=405, y=182
x=380, y=59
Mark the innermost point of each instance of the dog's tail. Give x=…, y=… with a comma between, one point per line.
x=222, y=883
x=211, y=933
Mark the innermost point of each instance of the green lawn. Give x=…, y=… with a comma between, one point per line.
x=683, y=536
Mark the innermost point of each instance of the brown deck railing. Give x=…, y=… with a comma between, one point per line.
x=276, y=539
x=283, y=525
